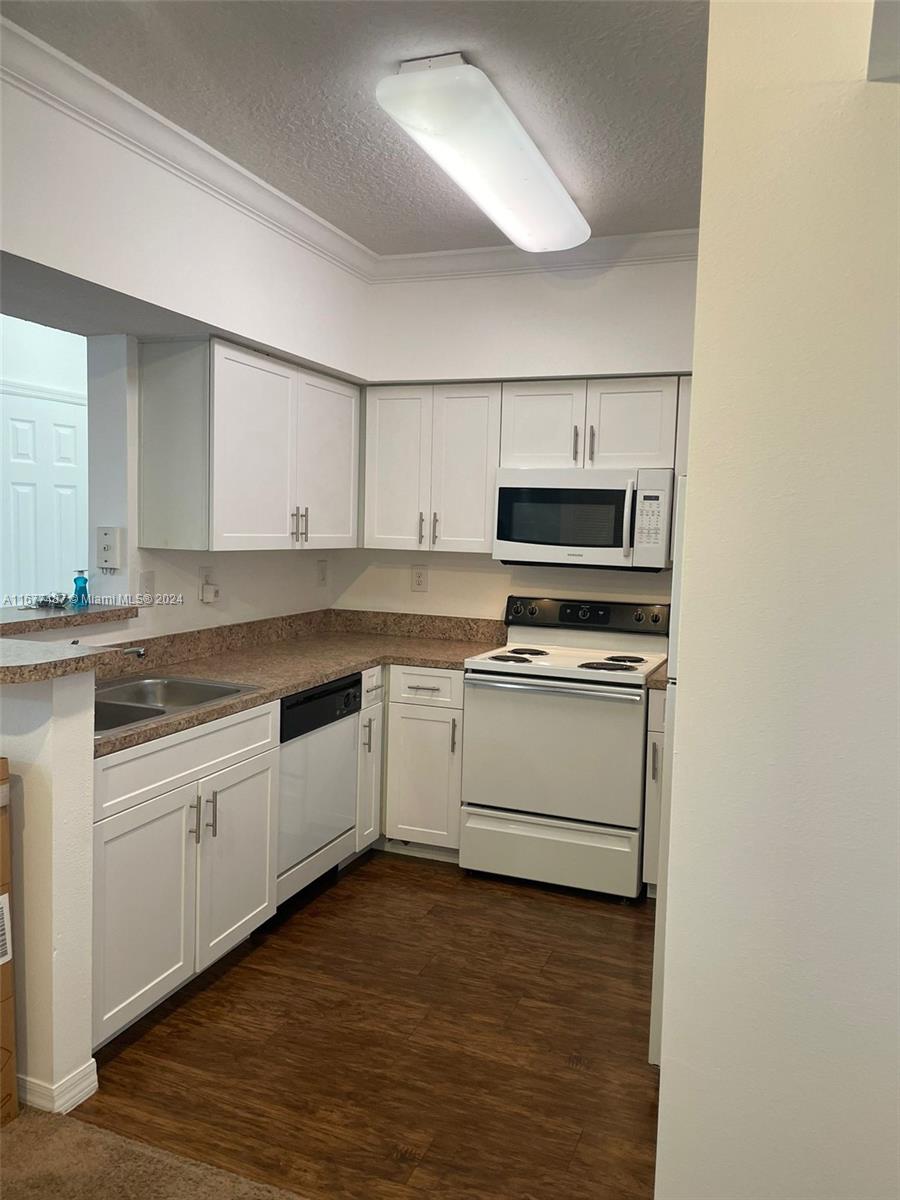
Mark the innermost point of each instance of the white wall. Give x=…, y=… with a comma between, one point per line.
x=779, y=1043
x=48, y=358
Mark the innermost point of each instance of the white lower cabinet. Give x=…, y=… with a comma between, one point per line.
x=368, y=792
x=656, y=724
x=424, y=774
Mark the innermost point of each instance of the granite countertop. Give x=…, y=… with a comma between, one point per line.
x=278, y=669
x=30, y=662
x=14, y=621
x=659, y=680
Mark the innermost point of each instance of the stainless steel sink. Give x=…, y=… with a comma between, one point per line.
x=122, y=702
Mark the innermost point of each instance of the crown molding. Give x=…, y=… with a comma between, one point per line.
x=22, y=389
x=52, y=78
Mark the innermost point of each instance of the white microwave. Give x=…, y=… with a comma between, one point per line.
x=584, y=518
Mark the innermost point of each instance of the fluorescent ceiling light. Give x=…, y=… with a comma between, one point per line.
x=454, y=112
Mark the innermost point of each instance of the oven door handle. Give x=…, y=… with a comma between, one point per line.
x=548, y=688
x=626, y=519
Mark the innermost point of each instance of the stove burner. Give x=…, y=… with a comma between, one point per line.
x=606, y=666
x=524, y=650
x=624, y=658
x=517, y=658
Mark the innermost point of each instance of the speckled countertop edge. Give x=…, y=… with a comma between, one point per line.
x=659, y=680
x=15, y=621
x=22, y=661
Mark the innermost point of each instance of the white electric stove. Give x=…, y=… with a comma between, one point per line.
x=555, y=734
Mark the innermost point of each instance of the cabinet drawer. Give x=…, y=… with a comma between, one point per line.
x=422, y=685
x=656, y=712
x=131, y=776
x=372, y=686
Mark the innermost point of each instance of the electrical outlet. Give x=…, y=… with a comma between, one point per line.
x=147, y=585
x=419, y=579
x=209, y=591
x=321, y=572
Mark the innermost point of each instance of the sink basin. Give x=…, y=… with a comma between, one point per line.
x=122, y=702
x=110, y=715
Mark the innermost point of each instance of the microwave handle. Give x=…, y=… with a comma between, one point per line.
x=627, y=519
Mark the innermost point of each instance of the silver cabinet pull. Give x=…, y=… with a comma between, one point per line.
x=421, y=687
x=195, y=832
x=453, y=736
x=306, y=524
x=434, y=523
x=548, y=688
x=592, y=443
x=295, y=524
x=376, y=687
x=368, y=742
x=654, y=758
x=421, y=528
x=575, y=443
x=626, y=519
x=214, y=823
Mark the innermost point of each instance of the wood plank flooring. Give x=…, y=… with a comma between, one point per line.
x=410, y=1031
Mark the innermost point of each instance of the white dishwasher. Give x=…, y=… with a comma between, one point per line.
x=318, y=774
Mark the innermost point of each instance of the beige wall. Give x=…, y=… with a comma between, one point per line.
x=779, y=1045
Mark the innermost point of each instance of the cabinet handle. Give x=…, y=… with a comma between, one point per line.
x=592, y=443
x=195, y=832
x=421, y=528
x=422, y=687
x=306, y=524
x=453, y=736
x=654, y=758
x=434, y=523
x=368, y=742
x=214, y=823
x=376, y=687
x=627, y=519
x=295, y=524
x=575, y=443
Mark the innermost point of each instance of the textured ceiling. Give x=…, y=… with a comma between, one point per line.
x=612, y=92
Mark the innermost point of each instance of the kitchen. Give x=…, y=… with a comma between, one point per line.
x=388, y=775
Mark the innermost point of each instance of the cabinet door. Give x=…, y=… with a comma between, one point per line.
x=631, y=422
x=327, y=462
x=368, y=793
x=398, y=466
x=652, y=798
x=543, y=424
x=424, y=774
x=464, y=457
x=145, y=871
x=236, y=889
x=254, y=451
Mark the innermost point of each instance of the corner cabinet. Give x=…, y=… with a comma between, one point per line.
x=371, y=761
x=265, y=454
x=431, y=460
x=653, y=782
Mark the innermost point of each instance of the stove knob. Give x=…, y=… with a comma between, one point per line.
x=584, y=613
x=517, y=609
x=532, y=610
x=639, y=617
x=655, y=618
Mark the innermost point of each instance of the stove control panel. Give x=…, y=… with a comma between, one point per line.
x=540, y=612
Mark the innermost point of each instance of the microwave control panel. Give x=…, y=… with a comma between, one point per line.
x=652, y=519
x=649, y=525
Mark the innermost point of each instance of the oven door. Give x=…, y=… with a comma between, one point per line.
x=554, y=748
x=580, y=518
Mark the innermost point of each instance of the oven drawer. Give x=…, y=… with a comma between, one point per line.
x=567, y=853
x=422, y=685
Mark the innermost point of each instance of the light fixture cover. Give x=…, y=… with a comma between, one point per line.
x=460, y=119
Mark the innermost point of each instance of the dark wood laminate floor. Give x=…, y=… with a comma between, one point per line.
x=409, y=1032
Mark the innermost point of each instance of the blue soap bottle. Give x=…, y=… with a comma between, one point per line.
x=80, y=599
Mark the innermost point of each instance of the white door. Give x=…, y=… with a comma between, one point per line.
x=236, y=890
x=464, y=458
x=327, y=462
x=424, y=774
x=543, y=424
x=631, y=422
x=253, y=417
x=44, y=466
x=145, y=872
x=652, y=800
x=398, y=466
x=368, y=802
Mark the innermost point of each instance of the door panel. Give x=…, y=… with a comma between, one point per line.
x=318, y=790
x=237, y=858
x=543, y=424
x=398, y=466
x=631, y=422
x=368, y=805
x=328, y=462
x=424, y=774
x=653, y=796
x=145, y=863
x=254, y=450
x=464, y=458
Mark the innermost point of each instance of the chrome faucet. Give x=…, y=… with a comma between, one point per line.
x=137, y=651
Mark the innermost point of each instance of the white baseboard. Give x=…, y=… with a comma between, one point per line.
x=417, y=850
x=59, y=1097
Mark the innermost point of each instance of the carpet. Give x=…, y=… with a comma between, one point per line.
x=47, y=1157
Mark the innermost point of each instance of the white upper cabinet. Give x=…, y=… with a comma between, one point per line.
x=543, y=424
x=631, y=422
x=398, y=466
x=464, y=458
x=327, y=463
x=254, y=450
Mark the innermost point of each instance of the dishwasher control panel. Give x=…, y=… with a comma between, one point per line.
x=307, y=711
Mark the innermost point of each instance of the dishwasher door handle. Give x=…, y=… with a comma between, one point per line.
x=550, y=689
